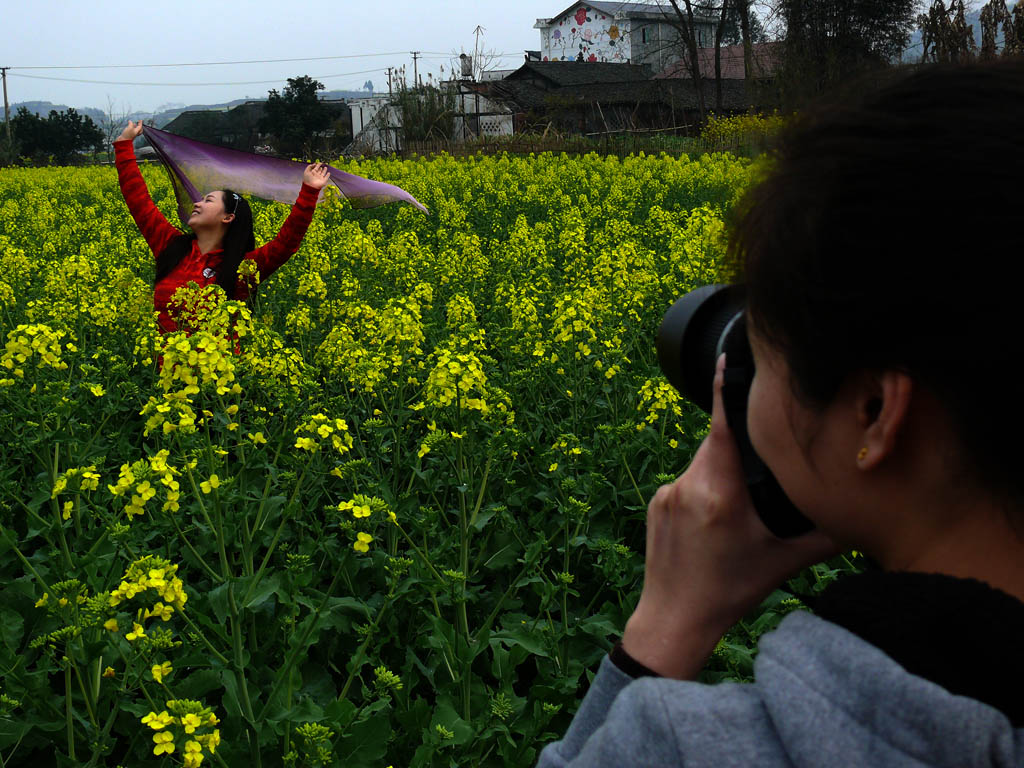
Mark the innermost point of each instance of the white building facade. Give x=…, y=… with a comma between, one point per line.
x=626, y=33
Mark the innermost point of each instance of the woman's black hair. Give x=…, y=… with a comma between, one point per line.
x=238, y=241
x=885, y=237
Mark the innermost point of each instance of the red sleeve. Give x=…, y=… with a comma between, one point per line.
x=152, y=224
x=281, y=248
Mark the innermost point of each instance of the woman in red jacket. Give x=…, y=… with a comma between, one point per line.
x=222, y=234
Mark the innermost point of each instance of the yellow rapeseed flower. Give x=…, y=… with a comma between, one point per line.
x=158, y=722
x=362, y=543
x=162, y=670
x=164, y=743
x=209, y=485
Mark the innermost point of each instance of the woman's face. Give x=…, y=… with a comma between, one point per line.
x=210, y=211
x=805, y=448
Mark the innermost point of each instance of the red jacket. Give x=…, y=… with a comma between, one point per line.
x=201, y=268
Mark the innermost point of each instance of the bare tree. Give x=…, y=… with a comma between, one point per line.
x=994, y=15
x=112, y=123
x=719, y=32
x=687, y=28
x=945, y=34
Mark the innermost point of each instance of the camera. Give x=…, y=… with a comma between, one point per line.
x=695, y=331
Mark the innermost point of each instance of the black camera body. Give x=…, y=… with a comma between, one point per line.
x=695, y=331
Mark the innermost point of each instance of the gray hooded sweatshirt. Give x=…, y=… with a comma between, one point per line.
x=822, y=697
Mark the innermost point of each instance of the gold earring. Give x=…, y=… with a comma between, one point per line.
x=863, y=454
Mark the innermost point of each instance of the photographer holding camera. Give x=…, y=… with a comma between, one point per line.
x=883, y=403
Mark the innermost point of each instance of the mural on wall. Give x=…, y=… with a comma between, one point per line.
x=587, y=34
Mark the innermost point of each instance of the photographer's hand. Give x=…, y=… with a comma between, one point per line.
x=709, y=557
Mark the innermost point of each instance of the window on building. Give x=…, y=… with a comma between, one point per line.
x=643, y=34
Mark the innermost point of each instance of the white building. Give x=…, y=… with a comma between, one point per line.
x=626, y=33
x=376, y=124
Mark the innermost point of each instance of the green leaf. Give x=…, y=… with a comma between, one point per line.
x=521, y=637
x=446, y=716
x=364, y=743
x=231, y=702
x=12, y=628
x=269, y=585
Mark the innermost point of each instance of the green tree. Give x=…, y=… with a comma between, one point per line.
x=58, y=139
x=829, y=42
x=295, y=116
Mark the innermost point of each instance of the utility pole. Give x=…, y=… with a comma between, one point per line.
x=7, y=109
x=415, y=69
x=389, y=83
x=476, y=50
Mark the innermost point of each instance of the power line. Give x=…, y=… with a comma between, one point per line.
x=214, y=63
x=239, y=82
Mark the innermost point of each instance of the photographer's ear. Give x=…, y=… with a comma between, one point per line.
x=883, y=406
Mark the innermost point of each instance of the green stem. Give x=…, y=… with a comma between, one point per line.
x=85, y=694
x=357, y=660
x=512, y=587
x=273, y=544
x=285, y=672
x=67, y=711
x=181, y=535
x=202, y=636
x=419, y=552
x=236, y=641
x=632, y=479
x=24, y=560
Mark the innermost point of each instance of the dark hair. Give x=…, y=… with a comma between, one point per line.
x=238, y=241
x=883, y=238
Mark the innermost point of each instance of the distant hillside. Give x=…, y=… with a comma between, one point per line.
x=162, y=117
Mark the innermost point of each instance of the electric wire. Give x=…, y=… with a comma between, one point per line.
x=238, y=82
x=213, y=63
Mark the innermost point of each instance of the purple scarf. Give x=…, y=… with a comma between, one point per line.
x=196, y=168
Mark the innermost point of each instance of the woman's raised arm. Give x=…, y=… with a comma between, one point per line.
x=275, y=253
x=151, y=223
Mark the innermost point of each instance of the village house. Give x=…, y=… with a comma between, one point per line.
x=603, y=98
x=622, y=33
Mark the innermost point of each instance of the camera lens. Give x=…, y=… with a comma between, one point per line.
x=695, y=331
x=690, y=339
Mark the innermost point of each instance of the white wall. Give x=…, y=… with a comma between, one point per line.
x=597, y=35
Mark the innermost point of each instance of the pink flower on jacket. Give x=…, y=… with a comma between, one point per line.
x=581, y=16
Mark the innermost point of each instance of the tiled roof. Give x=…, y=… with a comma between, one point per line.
x=573, y=73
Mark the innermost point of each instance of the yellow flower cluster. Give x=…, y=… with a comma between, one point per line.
x=33, y=344
x=87, y=477
x=731, y=131
x=371, y=347
x=197, y=360
x=457, y=379
x=186, y=724
x=134, y=481
x=658, y=397
x=151, y=573
x=318, y=429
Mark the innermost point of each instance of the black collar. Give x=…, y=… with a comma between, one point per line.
x=961, y=634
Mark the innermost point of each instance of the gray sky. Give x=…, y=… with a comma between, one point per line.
x=60, y=32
